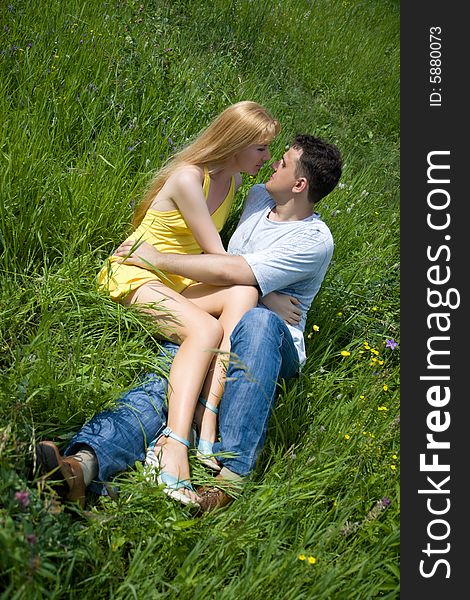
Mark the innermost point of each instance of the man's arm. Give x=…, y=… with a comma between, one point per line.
x=215, y=269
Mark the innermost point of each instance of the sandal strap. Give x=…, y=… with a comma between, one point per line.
x=173, y=483
x=208, y=405
x=168, y=432
x=204, y=447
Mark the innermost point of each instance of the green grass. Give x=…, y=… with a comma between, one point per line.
x=95, y=95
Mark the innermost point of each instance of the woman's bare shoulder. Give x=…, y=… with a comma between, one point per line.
x=181, y=181
x=186, y=174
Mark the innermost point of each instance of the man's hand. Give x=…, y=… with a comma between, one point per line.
x=140, y=254
x=286, y=307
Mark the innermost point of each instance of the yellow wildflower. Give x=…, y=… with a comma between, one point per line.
x=345, y=353
x=312, y=560
x=301, y=557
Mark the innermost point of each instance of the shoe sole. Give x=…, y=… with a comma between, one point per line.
x=208, y=462
x=179, y=497
x=48, y=464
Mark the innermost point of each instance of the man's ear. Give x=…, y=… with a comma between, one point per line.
x=300, y=185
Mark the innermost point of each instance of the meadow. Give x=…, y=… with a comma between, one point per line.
x=94, y=97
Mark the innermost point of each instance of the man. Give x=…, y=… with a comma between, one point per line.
x=280, y=244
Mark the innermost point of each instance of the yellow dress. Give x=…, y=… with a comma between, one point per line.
x=168, y=232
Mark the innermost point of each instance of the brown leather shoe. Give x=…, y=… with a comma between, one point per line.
x=211, y=497
x=64, y=474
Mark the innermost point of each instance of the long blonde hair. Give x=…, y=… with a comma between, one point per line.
x=237, y=127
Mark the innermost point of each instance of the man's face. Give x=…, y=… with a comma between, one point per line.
x=282, y=181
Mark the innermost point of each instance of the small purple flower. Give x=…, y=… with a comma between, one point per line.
x=5, y=29
x=30, y=44
x=22, y=498
x=391, y=343
x=134, y=146
x=386, y=501
x=31, y=539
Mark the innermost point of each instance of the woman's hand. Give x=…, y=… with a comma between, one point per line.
x=141, y=254
x=286, y=307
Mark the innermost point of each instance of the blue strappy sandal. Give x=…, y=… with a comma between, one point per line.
x=204, y=451
x=172, y=484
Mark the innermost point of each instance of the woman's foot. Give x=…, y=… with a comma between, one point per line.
x=171, y=457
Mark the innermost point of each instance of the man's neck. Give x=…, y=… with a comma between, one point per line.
x=292, y=210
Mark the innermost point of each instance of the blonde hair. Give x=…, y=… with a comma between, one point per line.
x=237, y=127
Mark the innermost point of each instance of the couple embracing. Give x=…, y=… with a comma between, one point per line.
x=232, y=320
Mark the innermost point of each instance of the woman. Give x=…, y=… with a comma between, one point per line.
x=183, y=211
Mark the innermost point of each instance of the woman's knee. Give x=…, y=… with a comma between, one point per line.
x=243, y=296
x=207, y=331
x=246, y=291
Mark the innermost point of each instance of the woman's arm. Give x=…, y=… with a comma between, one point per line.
x=187, y=193
x=286, y=307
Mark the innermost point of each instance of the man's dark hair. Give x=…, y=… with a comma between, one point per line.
x=320, y=163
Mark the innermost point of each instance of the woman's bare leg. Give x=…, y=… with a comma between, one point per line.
x=184, y=322
x=229, y=304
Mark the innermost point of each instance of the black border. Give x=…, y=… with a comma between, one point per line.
x=426, y=128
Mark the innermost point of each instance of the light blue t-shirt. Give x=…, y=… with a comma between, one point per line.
x=290, y=257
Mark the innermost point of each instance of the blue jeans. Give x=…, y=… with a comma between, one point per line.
x=119, y=437
x=263, y=352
